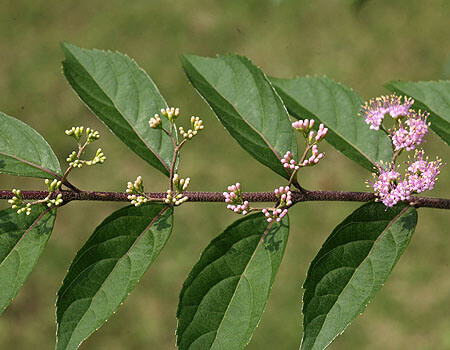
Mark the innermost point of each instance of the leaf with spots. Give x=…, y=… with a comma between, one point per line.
x=107, y=268
x=350, y=268
x=225, y=294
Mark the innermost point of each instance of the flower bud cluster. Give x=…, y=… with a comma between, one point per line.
x=75, y=162
x=274, y=214
x=176, y=195
x=136, y=192
x=288, y=162
x=75, y=132
x=284, y=196
x=53, y=186
x=375, y=109
x=304, y=126
x=312, y=138
x=155, y=122
x=321, y=133
x=235, y=201
x=99, y=158
x=196, y=125
x=175, y=198
x=18, y=204
x=315, y=156
x=55, y=201
x=137, y=200
x=136, y=187
x=170, y=113
x=92, y=135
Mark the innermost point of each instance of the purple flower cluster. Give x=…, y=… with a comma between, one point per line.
x=413, y=133
x=409, y=131
x=375, y=110
x=421, y=175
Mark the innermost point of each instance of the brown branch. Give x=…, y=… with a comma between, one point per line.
x=297, y=197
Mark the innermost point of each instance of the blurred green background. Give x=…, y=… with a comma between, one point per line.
x=363, y=44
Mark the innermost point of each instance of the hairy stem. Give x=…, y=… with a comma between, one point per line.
x=297, y=196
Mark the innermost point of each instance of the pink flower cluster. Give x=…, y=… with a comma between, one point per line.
x=303, y=125
x=315, y=157
x=284, y=196
x=312, y=139
x=413, y=134
x=288, y=162
x=275, y=214
x=321, y=133
x=234, y=199
x=306, y=125
x=420, y=176
x=375, y=110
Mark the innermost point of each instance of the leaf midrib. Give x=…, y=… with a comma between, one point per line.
x=48, y=171
x=239, y=114
x=115, y=266
x=356, y=269
x=237, y=285
x=121, y=113
x=347, y=142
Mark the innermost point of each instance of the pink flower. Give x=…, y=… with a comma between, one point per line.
x=375, y=110
x=421, y=175
x=413, y=134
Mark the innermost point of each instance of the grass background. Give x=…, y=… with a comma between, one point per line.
x=362, y=44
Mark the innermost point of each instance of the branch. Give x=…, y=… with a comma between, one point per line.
x=297, y=197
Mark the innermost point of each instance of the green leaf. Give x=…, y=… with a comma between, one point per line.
x=225, y=294
x=22, y=240
x=432, y=96
x=124, y=97
x=247, y=105
x=107, y=268
x=24, y=152
x=337, y=107
x=352, y=265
